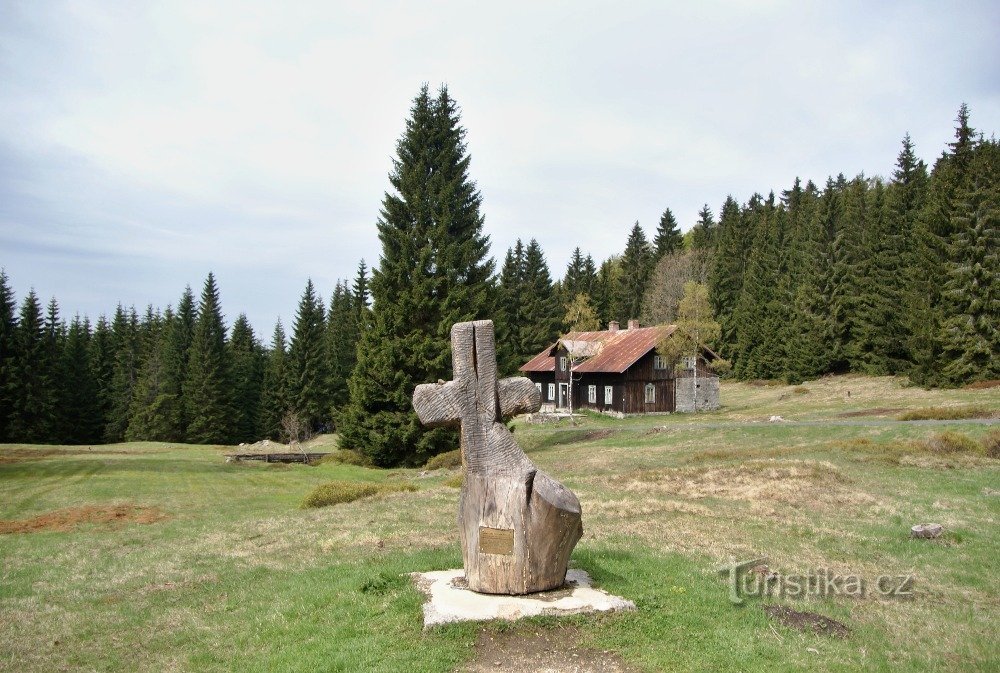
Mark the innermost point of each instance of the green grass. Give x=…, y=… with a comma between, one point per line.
x=239, y=578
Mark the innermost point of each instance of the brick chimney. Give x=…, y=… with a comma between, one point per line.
x=633, y=324
x=613, y=326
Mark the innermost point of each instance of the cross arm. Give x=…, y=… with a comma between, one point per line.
x=439, y=404
x=518, y=395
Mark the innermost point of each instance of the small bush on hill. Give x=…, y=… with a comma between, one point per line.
x=447, y=460
x=337, y=492
x=945, y=413
x=953, y=442
x=455, y=481
x=800, y=390
x=345, y=457
x=991, y=444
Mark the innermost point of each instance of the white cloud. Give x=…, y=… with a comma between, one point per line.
x=242, y=135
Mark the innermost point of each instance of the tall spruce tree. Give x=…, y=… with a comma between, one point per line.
x=125, y=372
x=510, y=302
x=434, y=271
x=81, y=413
x=728, y=269
x=102, y=364
x=8, y=336
x=308, y=364
x=247, y=375
x=704, y=232
x=208, y=386
x=342, y=335
x=153, y=414
x=274, y=401
x=541, y=312
x=636, y=266
x=668, y=235
x=971, y=326
x=30, y=387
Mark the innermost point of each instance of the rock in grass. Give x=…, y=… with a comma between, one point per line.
x=926, y=531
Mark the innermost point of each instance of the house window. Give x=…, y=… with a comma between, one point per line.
x=659, y=362
x=562, y=363
x=539, y=386
x=592, y=394
x=689, y=361
x=650, y=393
x=552, y=391
x=609, y=394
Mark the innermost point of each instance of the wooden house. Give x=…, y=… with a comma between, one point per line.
x=618, y=371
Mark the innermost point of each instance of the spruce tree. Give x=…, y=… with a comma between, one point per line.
x=247, y=376
x=636, y=266
x=208, y=386
x=579, y=278
x=728, y=269
x=704, y=232
x=102, y=365
x=541, y=312
x=274, y=388
x=508, y=320
x=125, y=372
x=434, y=271
x=308, y=365
x=29, y=385
x=79, y=399
x=971, y=327
x=8, y=332
x=342, y=334
x=668, y=235
x=153, y=414
x=606, y=287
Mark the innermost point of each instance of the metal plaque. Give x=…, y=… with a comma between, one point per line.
x=496, y=541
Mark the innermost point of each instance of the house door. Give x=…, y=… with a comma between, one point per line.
x=563, y=393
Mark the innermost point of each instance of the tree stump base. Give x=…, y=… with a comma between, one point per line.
x=518, y=526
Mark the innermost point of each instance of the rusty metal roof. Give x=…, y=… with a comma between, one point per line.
x=617, y=351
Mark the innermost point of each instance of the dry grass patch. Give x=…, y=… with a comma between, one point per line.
x=957, y=413
x=63, y=520
x=795, y=482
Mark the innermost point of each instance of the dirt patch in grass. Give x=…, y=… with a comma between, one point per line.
x=521, y=650
x=808, y=622
x=875, y=411
x=63, y=520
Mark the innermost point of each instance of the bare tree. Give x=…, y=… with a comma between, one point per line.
x=666, y=285
x=296, y=431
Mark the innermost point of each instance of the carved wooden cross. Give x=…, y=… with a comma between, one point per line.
x=518, y=525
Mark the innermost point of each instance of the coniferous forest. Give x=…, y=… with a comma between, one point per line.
x=880, y=275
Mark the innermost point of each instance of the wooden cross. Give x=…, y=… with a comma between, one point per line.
x=518, y=525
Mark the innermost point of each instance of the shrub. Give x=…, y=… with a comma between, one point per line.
x=991, y=444
x=952, y=442
x=345, y=457
x=447, y=460
x=336, y=492
x=455, y=481
x=944, y=413
x=800, y=390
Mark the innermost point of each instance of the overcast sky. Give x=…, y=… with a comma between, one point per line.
x=143, y=144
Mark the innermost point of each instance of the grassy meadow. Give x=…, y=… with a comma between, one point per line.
x=162, y=557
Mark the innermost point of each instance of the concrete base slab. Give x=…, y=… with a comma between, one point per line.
x=450, y=601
